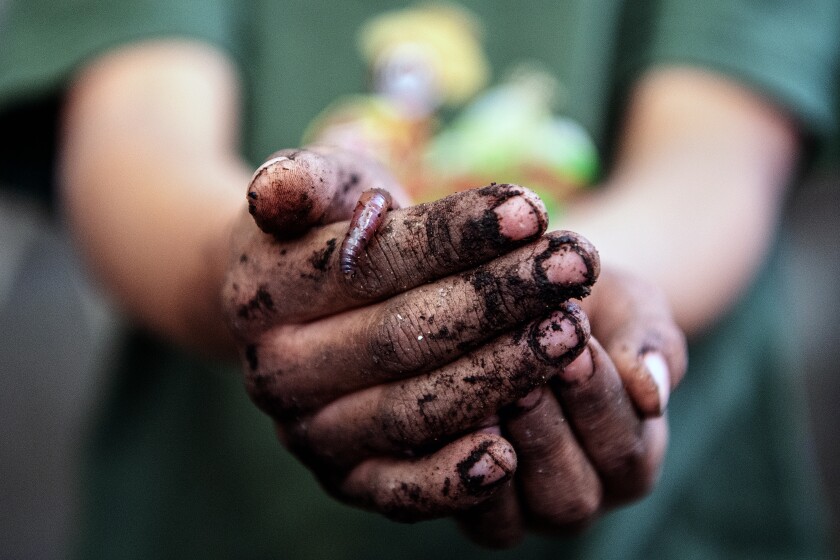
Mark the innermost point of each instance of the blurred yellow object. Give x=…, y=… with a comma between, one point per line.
x=373, y=125
x=510, y=134
x=448, y=36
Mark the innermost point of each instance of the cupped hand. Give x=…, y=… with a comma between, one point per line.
x=595, y=436
x=381, y=382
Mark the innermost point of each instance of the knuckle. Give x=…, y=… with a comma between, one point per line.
x=249, y=309
x=233, y=298
x=389, y=272
x=322, y=464
x=630, y=458
x=443, y=252
x=262, y=377
x=401, y=500
x=396, y=505
x=571, y=515
x=436, y=228
x=394, y=341
x=495, y=292
x=261, y=388
x=377, y=273
x=631, y=471
x=582, y=509
x=402, y=424
x=364, y=283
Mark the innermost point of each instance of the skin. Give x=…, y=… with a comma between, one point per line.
x=295, y=189
x=162, y=118
x=702, y=164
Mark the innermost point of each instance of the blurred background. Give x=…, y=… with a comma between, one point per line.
x=813, y=222
x=55, y=334
x=56, y=330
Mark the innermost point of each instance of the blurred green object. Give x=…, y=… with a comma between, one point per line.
x=510, y=134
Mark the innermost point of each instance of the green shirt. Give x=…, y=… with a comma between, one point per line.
x=182, y=465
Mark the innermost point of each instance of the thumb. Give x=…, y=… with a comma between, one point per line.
x=296, y=189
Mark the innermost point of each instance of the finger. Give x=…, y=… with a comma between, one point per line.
x=459, y=476
x=421, y=411
x=605, y=423
x=297, y=189
x=655, y=437
x=273, y=281
x=559, y=488
x=495, y=523
x=418, y=330
x=634, y=323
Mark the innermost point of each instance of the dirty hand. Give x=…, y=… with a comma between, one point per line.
x=380, y=381
x=595, y=436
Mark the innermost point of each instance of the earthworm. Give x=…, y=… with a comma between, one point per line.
x=367, y=218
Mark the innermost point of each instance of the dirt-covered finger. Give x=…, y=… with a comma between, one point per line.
x=605, y=422
x=422, y=243
x=297, y=189
x=633, y=321
x=422, y=411
x=273, y=281
x=559, y=488
x=457, y=477
x=651, y=359
x=418, y=330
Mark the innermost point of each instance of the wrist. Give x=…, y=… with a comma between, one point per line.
x=224, y=210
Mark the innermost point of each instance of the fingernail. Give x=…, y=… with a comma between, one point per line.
x=487, y=465
x=530, y=400
x=580, y=369
x=658, y=371
x=490, y=425
x=284, y=162
x=487, y=470
x=564, y=266
x=492, y=430
x=521, y=217
x=558, y=335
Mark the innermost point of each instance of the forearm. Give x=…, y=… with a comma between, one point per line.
x=151, y=184
x=694, y=197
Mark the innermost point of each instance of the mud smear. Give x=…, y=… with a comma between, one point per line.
x=261, y=301
x=438, y=234
x=351, y=182
x=252, y=207
x=251, y=357
x=483, y=233
x=302, y=214
x=488, y=287
x=426, y=399
x=320, y=259
x=442, y=334
x=479, y=234
x=496, y=289
x=410, y=504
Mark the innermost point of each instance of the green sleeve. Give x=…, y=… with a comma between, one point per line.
x=42, y=42
x=785, y=49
